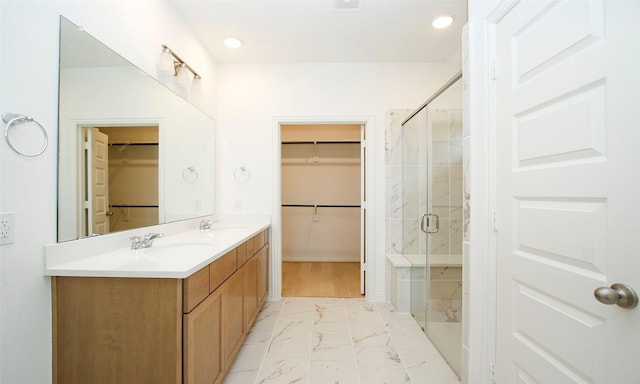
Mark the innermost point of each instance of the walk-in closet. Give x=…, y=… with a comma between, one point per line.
x=121, y=172
x=322, y=212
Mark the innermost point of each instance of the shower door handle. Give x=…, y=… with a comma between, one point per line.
x=422, y=223
x=426, y=219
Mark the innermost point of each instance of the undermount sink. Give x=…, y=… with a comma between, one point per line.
x=161, y=252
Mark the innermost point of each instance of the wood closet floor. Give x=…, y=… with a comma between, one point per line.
x=320, y=279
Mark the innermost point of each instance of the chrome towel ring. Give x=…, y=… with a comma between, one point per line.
x=11, y=119
x=190, y=175
x=241, y=174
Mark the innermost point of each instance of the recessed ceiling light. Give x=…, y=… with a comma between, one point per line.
x=442, y=22
x=233, y=42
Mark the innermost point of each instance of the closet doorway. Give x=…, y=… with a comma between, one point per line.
x=322, y=213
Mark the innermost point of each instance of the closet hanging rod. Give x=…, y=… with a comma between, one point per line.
x=322, y=142
x=133, y=143
x=320, y=206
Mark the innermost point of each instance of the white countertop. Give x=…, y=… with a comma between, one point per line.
x=183, y=250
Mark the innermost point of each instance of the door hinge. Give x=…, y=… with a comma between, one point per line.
x=494, y=70
x=492, y=373
x=495, y=222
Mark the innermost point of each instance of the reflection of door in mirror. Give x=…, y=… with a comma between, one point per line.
x=131, y=198
x=98, y=181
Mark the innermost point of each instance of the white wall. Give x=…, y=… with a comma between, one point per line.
x=252, y=96
x=29, y=78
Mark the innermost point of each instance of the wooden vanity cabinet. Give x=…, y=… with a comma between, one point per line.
x=263, y=273
x=251, y=301
x=117, y=330
x=232, y=315
x=157, y=330
x=256, y=278
x=202, y=353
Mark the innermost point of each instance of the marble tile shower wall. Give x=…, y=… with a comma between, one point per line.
x=445, y=286
x=445, y=304
x=414, y=183
x=403, y=207
x=393, y=181
x=397, y=279
x=446, y=180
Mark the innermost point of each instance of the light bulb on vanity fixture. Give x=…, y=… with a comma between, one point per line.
x=172, y=64
x=166, y=63
x=183, y=78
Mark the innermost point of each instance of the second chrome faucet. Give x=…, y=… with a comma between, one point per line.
x=145, y=241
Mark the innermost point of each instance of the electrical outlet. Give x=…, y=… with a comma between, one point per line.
x=7, y=227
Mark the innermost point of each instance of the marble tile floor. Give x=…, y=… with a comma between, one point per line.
x=337, y=341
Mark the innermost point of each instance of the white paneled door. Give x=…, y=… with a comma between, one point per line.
x=567, y=191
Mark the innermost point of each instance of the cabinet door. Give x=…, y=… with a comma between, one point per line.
x=117, y=330
x=263, y=274
x=251, y=291
x=203, y=342
x=232, y=315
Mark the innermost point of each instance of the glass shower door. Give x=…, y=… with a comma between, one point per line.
x=414, y=205
x=432, y=218
x=444, y=243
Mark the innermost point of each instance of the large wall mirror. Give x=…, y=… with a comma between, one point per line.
x=132, y=153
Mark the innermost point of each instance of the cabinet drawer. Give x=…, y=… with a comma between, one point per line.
x=195, y=288
x=258, y=242
x=242, y=255
x=221, y=269
x=249, y=244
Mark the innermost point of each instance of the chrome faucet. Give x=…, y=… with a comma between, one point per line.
x=145, y=241
x=205, y=224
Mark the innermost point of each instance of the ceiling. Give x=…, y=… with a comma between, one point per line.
x=326, y=30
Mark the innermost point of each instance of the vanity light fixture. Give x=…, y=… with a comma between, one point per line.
x=183, y=77
x=233, y=42
x=173, y=64
x=442, y=22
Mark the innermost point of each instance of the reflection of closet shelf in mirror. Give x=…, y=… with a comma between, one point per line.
x=131, y=206
x=288, y=161
x=320, y=206
x=128, y=144
x=321, y=142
